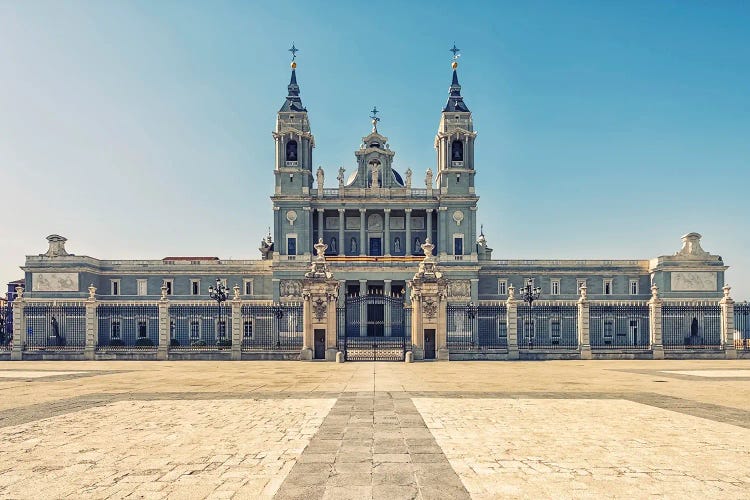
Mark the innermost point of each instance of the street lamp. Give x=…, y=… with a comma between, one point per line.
x=278, y=313
x=471, y=313
x=530, y=293
x=220, y=294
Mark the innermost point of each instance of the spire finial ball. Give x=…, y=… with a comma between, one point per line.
x=294, y=65
x=454, y=65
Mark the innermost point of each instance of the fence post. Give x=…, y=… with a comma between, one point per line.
x=511, y=323
x=584, y=340
x=19, y=326
x=91, y=324
x=654, y=323
x=162, y=352
x=236, y=325
x=727, y=324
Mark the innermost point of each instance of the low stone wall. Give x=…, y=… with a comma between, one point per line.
x=641, y=354
x=694, y=354
x=540, y=355
x=479, y=356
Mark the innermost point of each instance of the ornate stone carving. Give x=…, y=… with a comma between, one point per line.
x=340, y=177
x=236, y=289
x=430, y=308
x=375, y=222
x=654, y=292
x=19, y=292
x=266, y=247
x=583, y=292
x=92, y=291
x=54, y=282
x=319, y=309
x=56, y=246
x=693, y=281
x=291, y=216
x=511, y=293
x=691, y=247
x=320, y=177
x=408, y=178
x=428, y=178
x=459, y=288
x=290, y=288
x=458, y=216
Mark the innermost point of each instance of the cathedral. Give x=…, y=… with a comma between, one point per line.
x=373, y=229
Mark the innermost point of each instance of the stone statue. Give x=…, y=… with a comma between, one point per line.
x=320, y=175
x=340, y=177
x=353, y=246
x=266, y=247
x=374, y=173
x=428, y=178
x=408, y=178
x=397, y=245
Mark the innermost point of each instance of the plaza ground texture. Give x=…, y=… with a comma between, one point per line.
x=556, y=429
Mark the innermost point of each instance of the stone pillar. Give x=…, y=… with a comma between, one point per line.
x=19, y=325
x=362, y=309
x=511, y=323
x=320, y=221
x=308, y=335
x=332, y=321
x=441, y=339
x=162, y=351
x=342, y=243
x=442, y=238
x=654, y=323
x=417, y=333
x=320, y=293
x=387, y=308
x=407, y=215
x=429, y=294
x=362, y=232
x=91, y=325
x=387, y=233
x=727, y=324
x=237, y=327
x=428, y=216
x=584, y=341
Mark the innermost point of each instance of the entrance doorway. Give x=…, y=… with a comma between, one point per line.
x=375, y=246
x=320, y=344
x=429, y=344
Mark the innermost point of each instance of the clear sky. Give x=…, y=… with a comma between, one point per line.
x=142, y=129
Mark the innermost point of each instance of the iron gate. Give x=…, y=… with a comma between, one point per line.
x=374, y=327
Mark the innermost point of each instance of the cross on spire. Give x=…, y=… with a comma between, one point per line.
x=375, y=118
x=294, y=51
x=455, y=51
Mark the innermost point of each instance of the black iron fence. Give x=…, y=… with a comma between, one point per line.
x=689, y=326
x=742, y=325
x=6, y=329
x=127, y=326
x=619, y=326
x=55, y=327
x=476, y=327
x=272, y=327
x=374, y=327
x=199, y=327
x=545, y=326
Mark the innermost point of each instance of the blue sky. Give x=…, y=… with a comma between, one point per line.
x=606, y=129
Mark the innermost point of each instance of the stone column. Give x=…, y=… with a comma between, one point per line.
x=162, y=350
x=387, y=308
x=429, y=293
x=387, y=233
x=654, y=323
x=407, y=215
x=320, y=292
x=417, y=333
x=441, y=335
x=727, y=324
x=91, y=325
x=308, y=336
x=332, y=326
x=279, y=246
x=428, y=216
x=362, y=232
x=442, y=238
x=584, y=341
x=511, y=323
x=19, y=325
x=237, y=327
x=362, y=309
x=342, y=243
x=321, y=212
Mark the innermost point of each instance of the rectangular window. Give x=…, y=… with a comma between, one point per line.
x=248, y=329
x=114, y=332
x=142, y=286
x=170, y=286
x=458, y=245
x=195, y=287
x=554, y=331
x=502, y=287
x=580, y=283
x=142, y=329
x=502, y=328
x=607, y=287
x=195, y=329
x=609, y=329
x=633, y=287
x=248, y=287
x=115, y=287
x=291, y=245
x=554, y=287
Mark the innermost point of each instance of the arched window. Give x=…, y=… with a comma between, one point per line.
x=291, y=151
x=457, y=151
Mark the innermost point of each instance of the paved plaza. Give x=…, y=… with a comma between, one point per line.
x=567, y=429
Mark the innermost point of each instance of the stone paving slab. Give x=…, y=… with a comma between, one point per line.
x=713, y=373
x=577, y=448
x=160, y=449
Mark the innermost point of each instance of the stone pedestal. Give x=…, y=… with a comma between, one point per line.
x=584, y=340
x=91, y=325
x=236, y=325
x=654, y=323
x=727, y=324
x=429, y=298
x=19, y=326
x=511, y=323
x=320, y=293
x=162, y=351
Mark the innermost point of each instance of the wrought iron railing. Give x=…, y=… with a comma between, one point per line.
x=475, y=328
x=6, y=328
x=742, y=326
x=619, y=326
x=272, y=327
x=200, y=327
x=691, y=326
x=127, y=327
x=59, y=326
x=547, y=326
